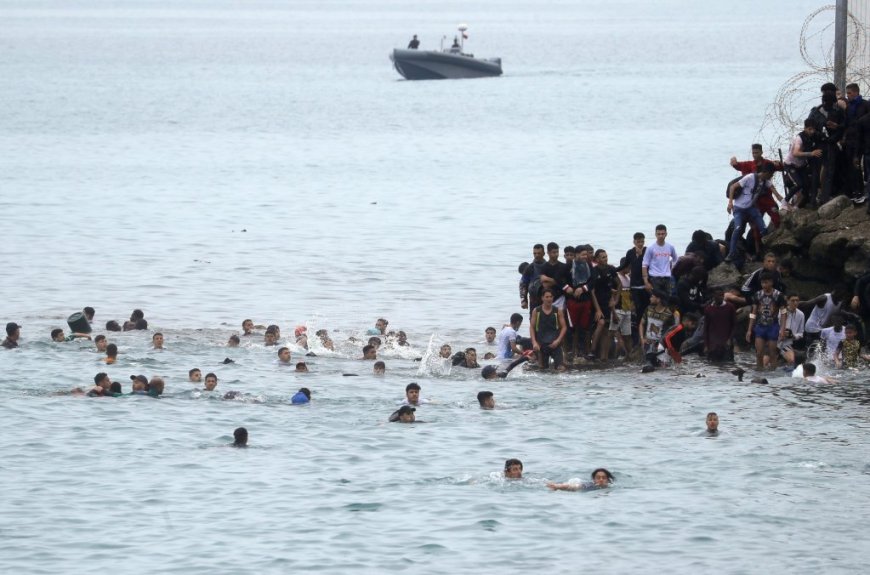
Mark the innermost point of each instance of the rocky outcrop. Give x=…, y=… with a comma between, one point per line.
x=828, y=247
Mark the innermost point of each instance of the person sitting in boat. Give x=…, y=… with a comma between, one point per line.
x=414, y=43
x=456, y=48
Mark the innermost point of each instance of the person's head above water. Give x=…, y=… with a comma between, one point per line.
x=379, y=368
x=489, y=334
x=57, y=335
x=284, y=355
x=489, y=372
x=486, y=399
x=404, y=414
x=370, y=352
x=211, y=381
x=712, y=422
x=101, y=342
x=302, y=396
x=248, y=326
x=412, y=393
x=194, y=375
x=301, y=367
x=601, y=477
x=157, y=340
x=240, y=437
x=112, y=325
x=446, y=351
x=809, y=369
x=513, y=469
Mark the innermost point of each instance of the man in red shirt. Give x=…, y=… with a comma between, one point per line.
x=765, y=203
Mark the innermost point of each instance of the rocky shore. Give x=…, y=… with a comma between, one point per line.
x=829, y=247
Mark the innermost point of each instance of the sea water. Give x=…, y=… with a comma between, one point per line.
x=212, y=161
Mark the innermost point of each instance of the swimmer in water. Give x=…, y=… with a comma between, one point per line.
x=712, y=423
x=446, y=351
x=370, y=352
x=111, y=354
x=234, y=341
x=513, y=469
x=301, y=334
x=492, y=372
x=404, y=414
x=486, y=399
x=601, y=479
x=270, y=338
x=489, y=336
x=89, y=313
x=301, y=367
x=102, y=385
x=155, y=386
x=412, y=395
x=58, y=336
x=301, y=397
x=157, y=340
x=101, y=342
x=140, y=385
x=380, y=327
x=194, y=375
x=284, y=356
x=248, y=327
x=402, y=339
x=240, y=437
x=325, y=340
x=809, y=370
x=112, y=325
x=379, y=368
x=211, y=382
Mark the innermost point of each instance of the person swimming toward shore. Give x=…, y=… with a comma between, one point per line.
x=513, y=469
x=284, y=357
x=404, y=414
x=601, y=479
x=111, y=354
x=211, y=382
x=234, y=341
x=412, y=395
x=486, y=399
x=240, y=437
x=325, y=340
x=712, y=423
x=194, y=375
x=301, y=397
x=379, y=368
x=301, y=367
x=492, y=372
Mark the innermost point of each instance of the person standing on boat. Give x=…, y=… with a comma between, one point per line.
x=414, y=43
x=456, y=48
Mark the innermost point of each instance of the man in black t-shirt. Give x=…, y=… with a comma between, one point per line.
x=555, y=275
x=605, y=285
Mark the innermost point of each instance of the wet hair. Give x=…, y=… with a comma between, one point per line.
x=111, y=350
x=208, y=375
x=55, y=332
x=757, y=147
x=522, y=267
x=137, y=315
x=100, y=337
x=809, y=369
x=509, y=462
x=280, y=349
x=301, y=364
x=375, y=341
x=89, y=312
x=489, y=329
x=471, y=349
x=240, y=435
x=538, y=247
x=189, y=373
x=368, y=348
x=156, y=334
x=661, y=227
x=116, y=387
x=638, y=236
x=412, y=385
x=156, y=384
x=552, y=246
x=609, y=475
x=244, y=321
x=112, y=325
x=712, y=413
x=305, y=391
x=515, y=317
x=380, y=365
x=100, y=376
x=483, y=396
x=235, y=339
x=142, y=323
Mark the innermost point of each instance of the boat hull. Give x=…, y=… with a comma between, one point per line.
x=432, y=65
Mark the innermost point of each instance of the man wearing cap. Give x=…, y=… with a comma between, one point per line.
x=140, y=384
x=404, y=414
x=13, y=332
x=741, y=203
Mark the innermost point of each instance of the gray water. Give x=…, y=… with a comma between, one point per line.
x=212, y=161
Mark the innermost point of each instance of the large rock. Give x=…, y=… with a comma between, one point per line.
x=834, y=207
x=724, y=275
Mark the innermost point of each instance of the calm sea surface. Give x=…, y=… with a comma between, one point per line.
x=212, y=161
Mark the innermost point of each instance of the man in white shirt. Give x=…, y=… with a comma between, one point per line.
x=741, y=203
